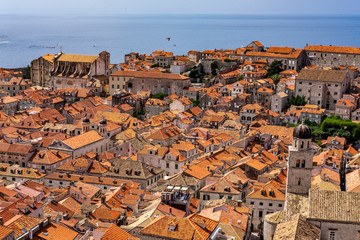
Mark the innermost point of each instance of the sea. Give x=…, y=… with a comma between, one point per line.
x=24, y=38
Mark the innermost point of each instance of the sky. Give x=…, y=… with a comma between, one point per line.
x=115, y=7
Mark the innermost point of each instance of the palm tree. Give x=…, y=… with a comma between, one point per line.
x=276, y=80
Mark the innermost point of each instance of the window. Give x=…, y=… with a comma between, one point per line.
x=260, y=214
x=261, y=203
x=303, y=164
x=299, y=181
x=332, y=235
x=270, y=204
x=297, y=163
x=176, y=166
x=167, y=165
x=280, y=205
x=252, y=203
x=206, y=197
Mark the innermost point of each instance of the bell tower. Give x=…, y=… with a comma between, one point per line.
x=300, y=162
x=102, y=126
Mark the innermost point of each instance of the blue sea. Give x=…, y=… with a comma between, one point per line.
x=24, y=38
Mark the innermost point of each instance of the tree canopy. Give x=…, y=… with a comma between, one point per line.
x=297, y=101
x=275, y=68
x=214, y=66
x=335, y=126
x=159, y=96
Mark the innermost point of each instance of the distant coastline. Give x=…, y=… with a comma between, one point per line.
x=145, y=33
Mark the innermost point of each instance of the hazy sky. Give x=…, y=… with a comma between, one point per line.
x=102, y=7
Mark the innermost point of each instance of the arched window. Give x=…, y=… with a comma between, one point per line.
x=299, y=181
x=130, y=85
x=302, y=163
x=302, y=144
x=297, y=163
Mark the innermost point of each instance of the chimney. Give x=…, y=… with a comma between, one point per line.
x=238, y=223
x=230, y=221
x=170, y=211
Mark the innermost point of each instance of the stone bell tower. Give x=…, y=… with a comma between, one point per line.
x=300, y=161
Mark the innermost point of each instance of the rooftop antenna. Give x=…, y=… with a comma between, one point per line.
x=60, y=49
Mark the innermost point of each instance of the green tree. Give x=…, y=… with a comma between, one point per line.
x=228, y=60
x=27, y=72
x=159, y=96
x=276, y=80
x=334, y=126
x=240, y=78
x=139, y=112
x=214, y=66
x=275, y=68
x=195, y=73
x=297, y=101
x=195, y=102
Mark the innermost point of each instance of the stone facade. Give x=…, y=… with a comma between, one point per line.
x=66, y=71
x=323, y=88
x=278, y=102
x=153, y=82
x=331, y=56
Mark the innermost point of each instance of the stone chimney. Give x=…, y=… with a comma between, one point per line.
x=238, y=223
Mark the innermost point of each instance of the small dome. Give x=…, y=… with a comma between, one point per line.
x=302, y=131
x=85, y=120
x=103, y=121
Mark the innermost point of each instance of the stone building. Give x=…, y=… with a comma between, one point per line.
x=278, y=102
x=154, y=82
x=154, y=107
x=14, y=86
x=323, y=88
x=194, y=56
x=293, y=59
x=263, y=97
x=256, y=45
x=331, y=56
x=140, y=172
x=162, y=58
x=41, y=70
x=64, y=71
x=344, y=108
x=18, y=154
x=269, y=199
